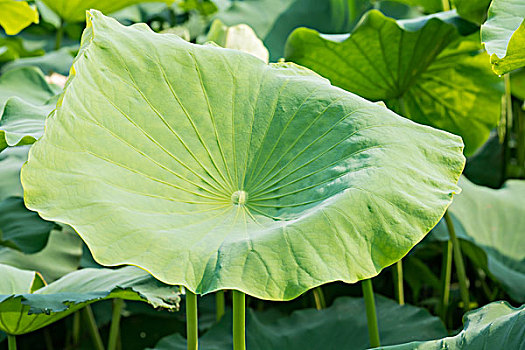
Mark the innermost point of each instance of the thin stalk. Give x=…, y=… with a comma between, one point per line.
x=92, y=327
x=220, y=304
x=48, y=339
x=115, y=324
x=458, y=261
x=76, y=328
x=373, y=331
x=60, y=35
x=320, y=302
x=398, y=277
x=446, y=5
x=192, y=323
x=446, y=273
x=239, y=320
x=11, y=342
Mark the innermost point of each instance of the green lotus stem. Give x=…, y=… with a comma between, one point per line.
x=239, y=319
x=76, y=328
x=398, y=277
x=446, y=5
x=320, y=302
x=446, y=273
x=458, y=261
x=373, y=331
x=92, y=327
x=192, y=323
x=115, y=324
x=60, y=35
x=219, y=304
x=11, y=342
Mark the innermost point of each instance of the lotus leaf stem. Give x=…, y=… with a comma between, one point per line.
x=398, y=277
x=446, y=5
x=192, y=323
x=320, y=302
x=458, y=261
x=373, y=331
x=219, y=304
x=11, y=342
x=76, y=328
x=115, y=324
x=239, y=319
x=59, y=35
x=93, y=329
x=446, y=273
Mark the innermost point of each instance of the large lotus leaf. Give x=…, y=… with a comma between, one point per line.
x=243, y=175
x=472, y=10
x=422, y=68
x=16, y=15
x=75, y=10
x=22, y=123
x=341, y=326
x=494, y=326
x=60, y=256
x=430, y=6
x=493, y=221
x=27, y=83
x=504, y=35
x=22, y=229
x=274, y=20
x=26, y=311
x=238, y=37
x=15, y=281
x=11, y=161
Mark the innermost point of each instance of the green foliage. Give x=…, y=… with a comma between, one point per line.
x=230, y=151
x=422, y=69
x=494, y=326
x=27, y=305
x=16, y=15
x=333, y=328
x=493, y=221
x=504, y=35
x=472, y=10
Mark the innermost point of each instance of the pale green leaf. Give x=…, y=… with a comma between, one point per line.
x=11, y=161
x=341, y=326
x=504, y=35
x=75, y=10
x=494, y=326
x=243, y=175
x=472, y=10
x=421, y=68
x=24, y=311
x=16, y=15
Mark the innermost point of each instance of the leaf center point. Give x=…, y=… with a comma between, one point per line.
x=239, y=197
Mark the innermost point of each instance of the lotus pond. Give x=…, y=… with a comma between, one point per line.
x=262, y=174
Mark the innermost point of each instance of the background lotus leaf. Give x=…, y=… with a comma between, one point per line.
x=214, y=183
x=493, y=221
x=26, y=309
x=504, y=35
x=336, y=327
x=473, y=10
x=16, y=15
x=421, y=68
x=274, y=20
x=494, y=326
x=75, y=10
x=11, y=161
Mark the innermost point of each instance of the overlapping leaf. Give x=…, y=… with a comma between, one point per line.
x=493, y=221
x=11, y=161
x=262, y=178
x=16, y=15
x=25, y=308
x=494, y=326
x=504, y=35
x=422, y=68
x=274, y=20
x=340, y=326
x=75, y=10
